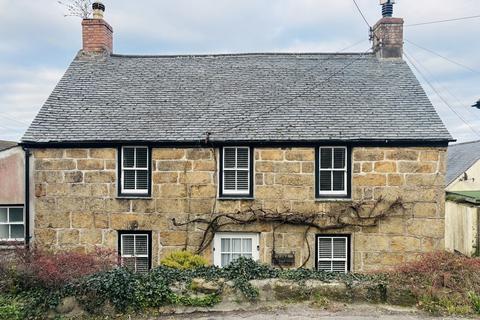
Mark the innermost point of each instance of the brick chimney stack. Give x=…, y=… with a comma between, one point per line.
x=387, y=33
x=97, y=34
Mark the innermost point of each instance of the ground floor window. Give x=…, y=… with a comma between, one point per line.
x=12, y=223
x=135, y=250
x=230, y=246
x=333, y=253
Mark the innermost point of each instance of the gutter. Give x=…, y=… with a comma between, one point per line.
x=208, y=141
x=27, y=196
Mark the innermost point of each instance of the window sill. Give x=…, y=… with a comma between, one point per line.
x=134, y=197
x=11, y=244
x=333, y=199
x=235, y=198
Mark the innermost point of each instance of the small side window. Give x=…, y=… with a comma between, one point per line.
x=12, y=224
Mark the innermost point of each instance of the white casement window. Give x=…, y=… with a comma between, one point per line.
x=135, y=170
x=332, y=253
x=134, y=251
x=230, y=246
x=236, y=171
x=333, y=171
x=12, y=224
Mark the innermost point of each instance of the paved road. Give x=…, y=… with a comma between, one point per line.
x=304, y=312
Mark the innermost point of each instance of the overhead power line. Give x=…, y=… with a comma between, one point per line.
x=4, y=115
x=411, y=60
x=361, y=13
x=443, y=57
x=442, y=21
x=299, y=95
x=447, y=90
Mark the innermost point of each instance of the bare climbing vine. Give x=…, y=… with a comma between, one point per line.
x=358, y=214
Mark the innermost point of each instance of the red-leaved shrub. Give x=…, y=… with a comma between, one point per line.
x=441, y=270
x=37, y=268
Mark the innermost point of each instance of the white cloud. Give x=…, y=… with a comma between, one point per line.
x=22, y=93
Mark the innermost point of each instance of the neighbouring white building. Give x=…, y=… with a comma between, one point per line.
x=463, y=198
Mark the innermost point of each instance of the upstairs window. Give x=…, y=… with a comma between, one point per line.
x=135, y=251
x=135, y=171
x=12, y=224
x=236, y=172
x=333, y=253
x=333, y=175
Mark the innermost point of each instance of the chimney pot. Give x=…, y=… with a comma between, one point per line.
x=98, y=10
x=387, y=8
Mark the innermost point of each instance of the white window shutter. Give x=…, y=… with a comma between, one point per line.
x=135, y=252
x=243, y=176
x=236, y=170
x=128, y=245
x=141, y=245
x=135, y=170
x=332, y=254
x=243, y=155
x=339, y=246
x=128, y=157
x=229, y=172
x=332, y=171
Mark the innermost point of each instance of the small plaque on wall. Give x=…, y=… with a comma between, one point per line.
x=283, y=259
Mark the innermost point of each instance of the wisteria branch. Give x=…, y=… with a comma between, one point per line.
x=360, y=214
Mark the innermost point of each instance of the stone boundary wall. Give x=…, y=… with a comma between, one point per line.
x=272, y=293
x=76, y=205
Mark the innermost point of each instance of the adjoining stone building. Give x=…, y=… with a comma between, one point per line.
x=126, y=144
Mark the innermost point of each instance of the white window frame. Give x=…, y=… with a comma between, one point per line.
x=344, y=192
x=134, y=168
x=135, y=235
x=9, y=224
x=217, y=244
x=236, y=169
x=334, y=259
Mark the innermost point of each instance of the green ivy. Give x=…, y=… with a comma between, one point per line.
x=208, y=300
x=11, y=307
x=129, y=292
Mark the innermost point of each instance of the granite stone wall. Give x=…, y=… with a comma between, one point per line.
x=76, y=205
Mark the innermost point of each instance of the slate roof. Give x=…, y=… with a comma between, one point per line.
x=4, y=145
x=460, y=158
x=237, y=97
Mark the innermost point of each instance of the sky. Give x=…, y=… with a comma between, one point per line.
x=37, y=43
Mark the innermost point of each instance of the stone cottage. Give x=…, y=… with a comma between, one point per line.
x=334, y=161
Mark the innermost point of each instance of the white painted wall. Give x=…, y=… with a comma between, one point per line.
x=470, y=185
x=461, y=227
